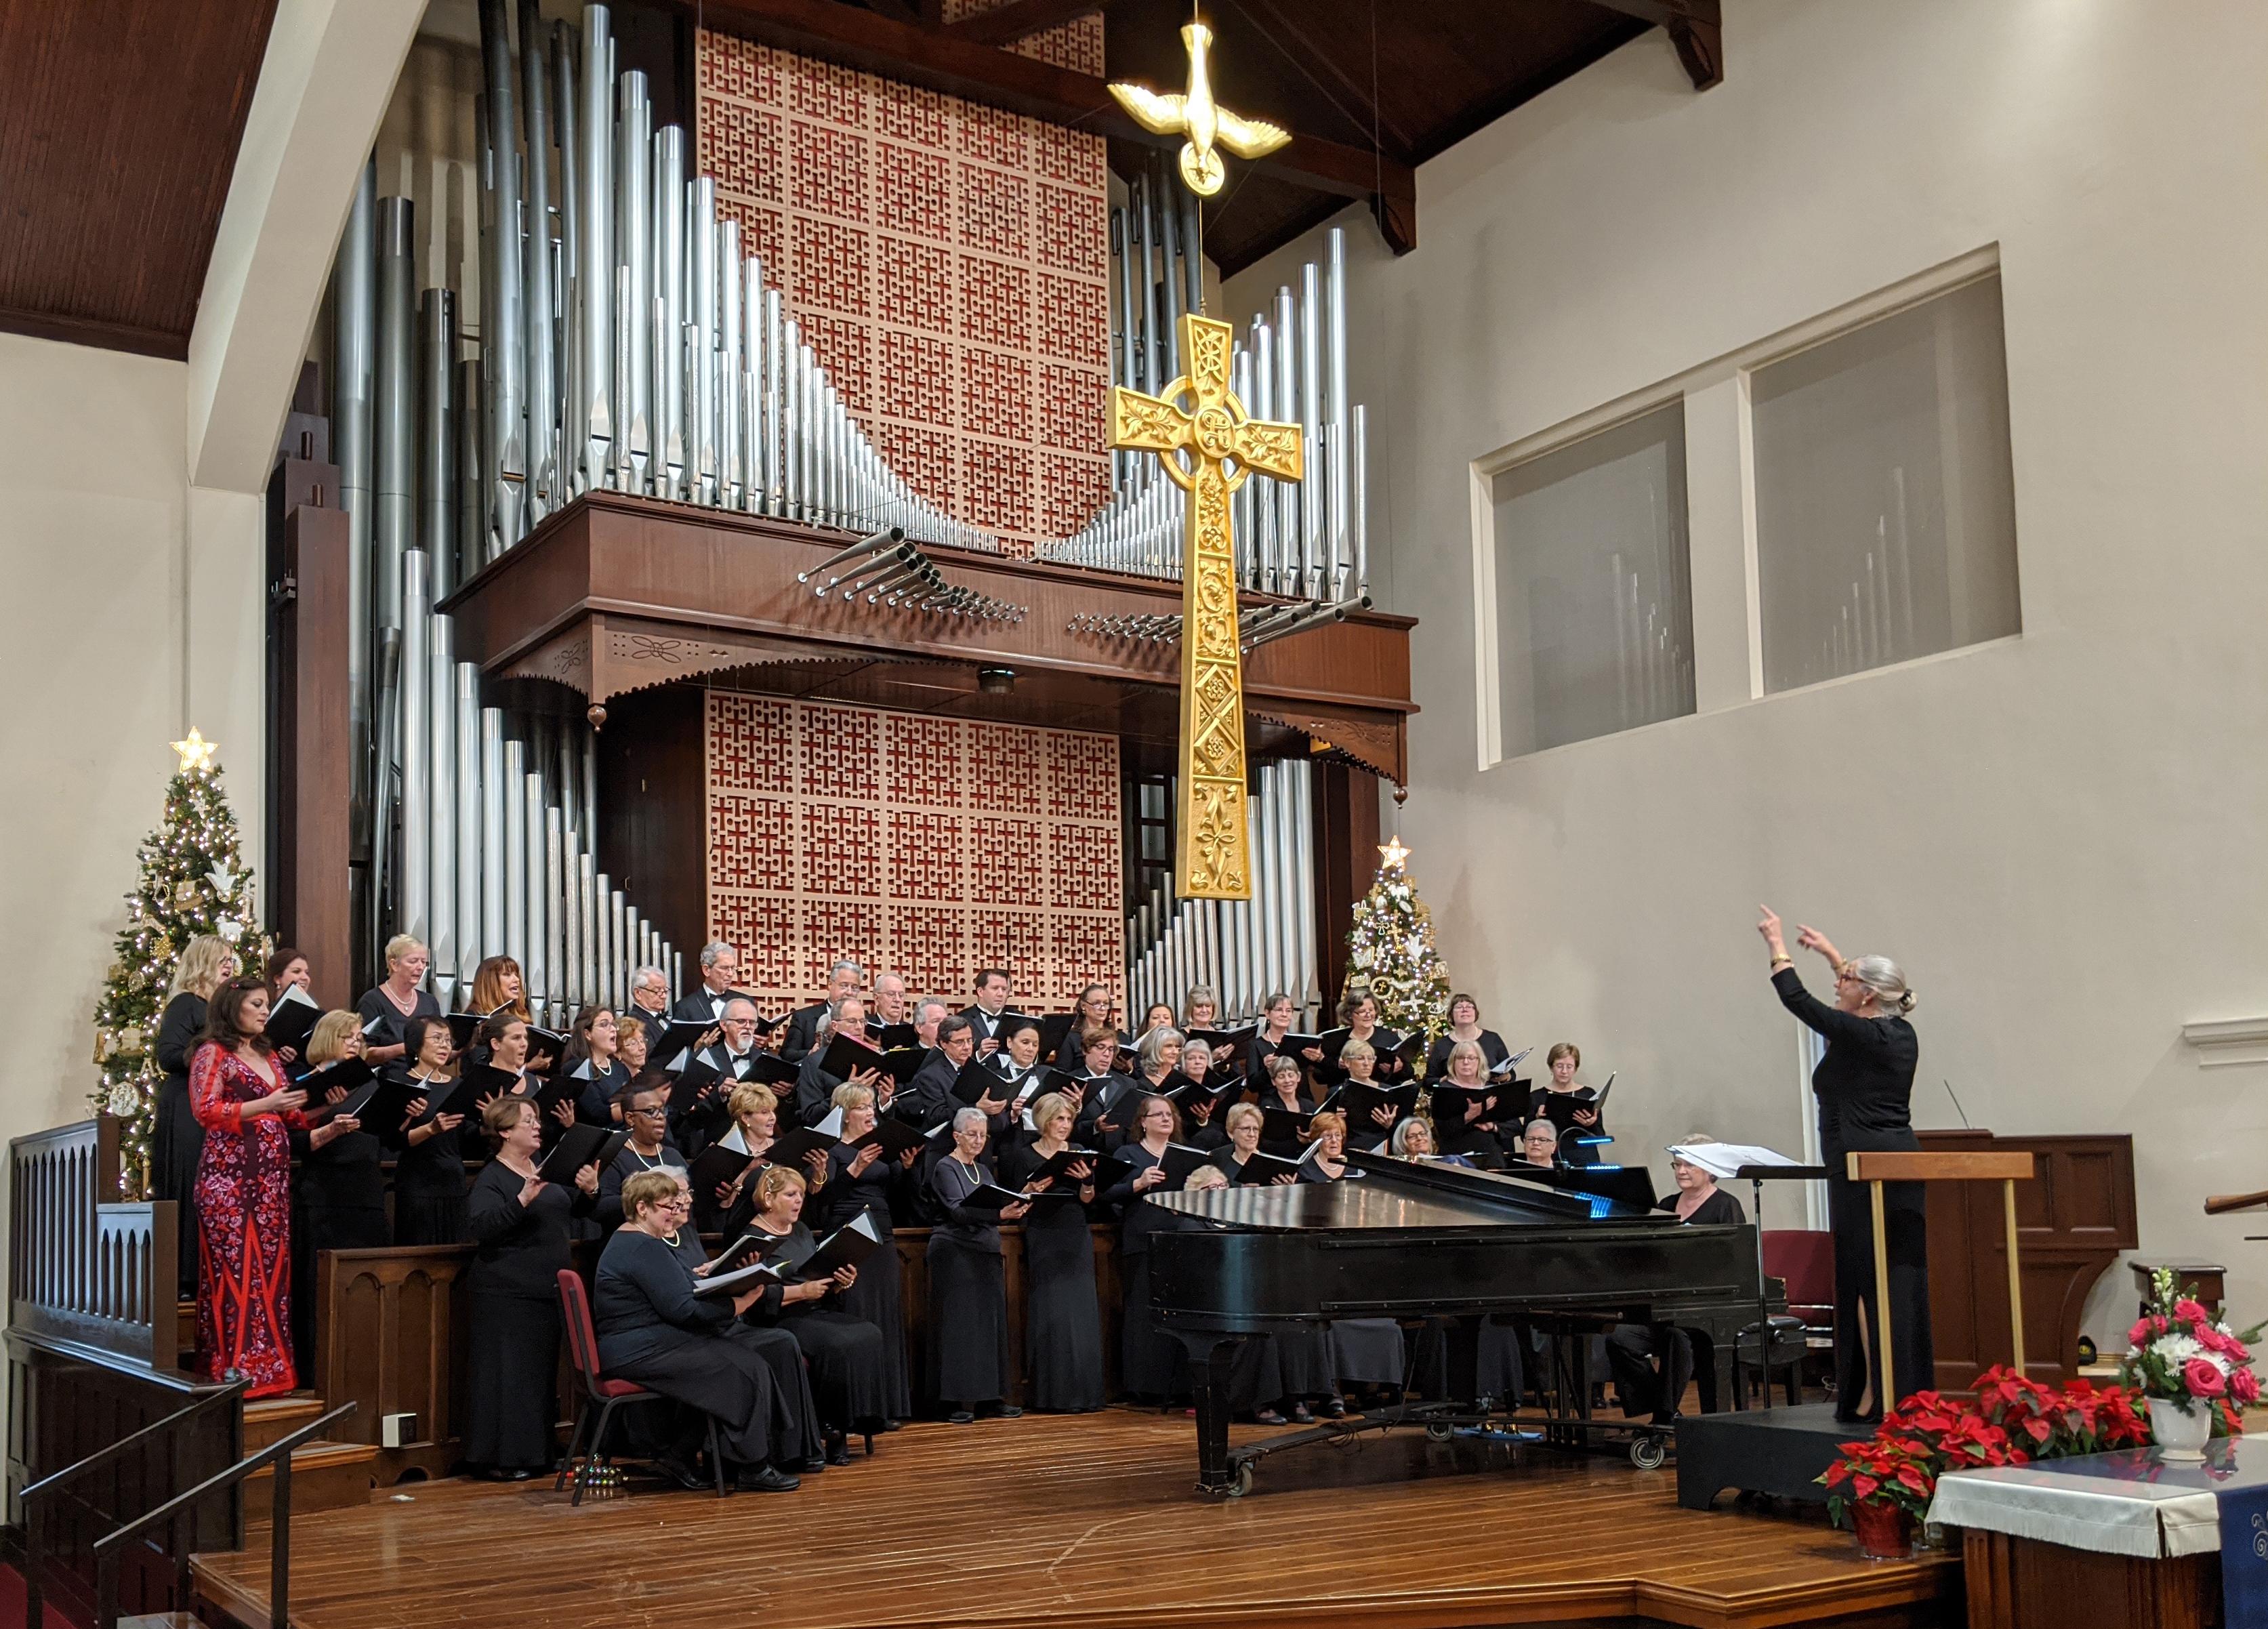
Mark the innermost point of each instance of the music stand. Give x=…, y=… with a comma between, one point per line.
x=1757, y=1176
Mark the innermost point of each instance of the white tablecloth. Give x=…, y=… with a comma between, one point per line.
x=2132, y=1502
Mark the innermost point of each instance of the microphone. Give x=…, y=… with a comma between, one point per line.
x=1957, y=1108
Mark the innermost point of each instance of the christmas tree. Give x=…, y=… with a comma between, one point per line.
x=192, y=881
x=1390, y=949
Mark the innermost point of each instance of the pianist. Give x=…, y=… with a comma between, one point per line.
x=1652, y=1362
x=1539, y=1143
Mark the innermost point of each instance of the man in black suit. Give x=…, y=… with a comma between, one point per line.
x=927, y=1099
x=720, y=965
x=735, y=1055
x=650, y=1001
x=993, y=989
x=844, y=979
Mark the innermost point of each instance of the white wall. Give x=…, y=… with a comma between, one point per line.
x=2059, y=836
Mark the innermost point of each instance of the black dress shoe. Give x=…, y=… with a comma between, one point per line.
x=1302, y=1415
x=838, y=1451
x=765, y=1479
x=1334, y=1409
x=684, y=1474
x=814, y=1465
x=1267, y=1416
x=961, y=1417
x=1006, y=1411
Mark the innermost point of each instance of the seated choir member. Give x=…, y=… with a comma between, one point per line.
x=1539, y=1145
x=1653, y=1362
x=1284, y=1090
x=848, y=1371
x=1364, y=1352
x=859, y=1183
x=1466, y=1066
x=1197, y=1110
x=968, y=1286
x=1092, y=1012
x=1200, y=1008
x=176, y=1139
x=1276, y=1017
x=1358, y=1063
x=1108, y=1094
x=499, y=992
x=1063, y=1322
x=395, y=1000
x=428, y=1174
x=1465, y=1025
x=645, y=1114
x=518, y=1223
x=1413, y=1140
x=814, y=1087
x=594, y=1053
x=1573, y=1119
x=846, y=978
x=1243, y=1128
x=1151, y=1365
x=653, y=1330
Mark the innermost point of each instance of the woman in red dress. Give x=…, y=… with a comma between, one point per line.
x=238, y=1092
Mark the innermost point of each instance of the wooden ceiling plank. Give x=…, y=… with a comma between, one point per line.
x=1313, y=65
x=1695, y=27
x=1019, y=19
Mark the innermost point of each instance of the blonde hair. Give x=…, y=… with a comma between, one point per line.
x=198, y=971
x=327, y=1043
x=776, y=1180
x=400, y=945
x=847, y=1097
x=1047, y=1106
x=1357, y=1052
x=1238, y=1113
x=750, y=1097
x=1465, y=1049
x=642, y=1190
x=1563, y=1049
x=1204, y=1177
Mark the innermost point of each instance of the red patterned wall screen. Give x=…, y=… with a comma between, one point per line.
x=948, y=262
x=924, y=846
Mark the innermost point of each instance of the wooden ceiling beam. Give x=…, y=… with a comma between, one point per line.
x=1017, y=20
x=1696, y=28
x=1313, y=65
x=938, y=60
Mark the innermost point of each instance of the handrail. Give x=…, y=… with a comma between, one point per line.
x=34, y=1548
x=109, y=1548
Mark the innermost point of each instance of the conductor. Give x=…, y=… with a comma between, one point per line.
x=1864, y=1087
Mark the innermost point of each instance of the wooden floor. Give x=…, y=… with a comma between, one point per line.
x=1090, y=1521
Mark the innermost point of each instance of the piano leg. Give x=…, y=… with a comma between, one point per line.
x=1211, y=1357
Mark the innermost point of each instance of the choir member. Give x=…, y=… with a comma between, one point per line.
x=845, y=978
x=649, y=999
x=341, y=1186
x=992, y=988
x=734, y=1055
x=1364, y=1352
x=1653, y=1362
x=1358, y=1063
x=1284, y=1090
x=1327, y=1162
x=755, y=1113
x=286, y=966
x=1539, y=1145
x=1413, y=1140
x=891, y=1002
x=1572, y=1115
x=815, y=1087
x=1063, y=1322
x=1157, y=1057
x=1158, y=1015
x=928, y=1100
x=1465, y=1025
x=1201, y=1008
x=428, y=1174
x=1093, y=1012
x=518, y=1225
x=849, y=1368
x=967, y=1288
x=858, y=1183
x=499, y=992
x=248, y=1111
x=720, y=965
x=1015, y=1063
x=634, y=1039
x=1255, y=1389
x=1195, y=1063
x=1277, y=1016
x=594, y=1057
x=504, y=1040
x=1358, y=1021
x=176, y=1140
x=1106, y=1095
x=399, y=997
x=654, y=1330
x=646, y=1114
x=929, y=1012
x=1150, y=1361
x=1465, y=1063
x=1864, y=1087
x=1243, y=1128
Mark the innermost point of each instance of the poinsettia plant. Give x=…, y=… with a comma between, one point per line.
x=2179, y=1351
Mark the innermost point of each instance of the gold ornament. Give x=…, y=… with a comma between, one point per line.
x=196, y=751
x=1194, y=114
x=185, y=892
x=1213, y=432
x=1392, y=853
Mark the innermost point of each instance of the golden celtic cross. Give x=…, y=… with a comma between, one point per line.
x=1208, y=449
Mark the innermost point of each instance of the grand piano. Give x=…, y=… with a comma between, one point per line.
x=1402, y=1238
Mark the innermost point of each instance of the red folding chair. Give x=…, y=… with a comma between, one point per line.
x=601, y=1396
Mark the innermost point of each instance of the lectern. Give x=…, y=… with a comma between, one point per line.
x=2007, y=1168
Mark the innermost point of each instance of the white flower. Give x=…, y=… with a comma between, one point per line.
x=125, y=1102
x=2177, y=1349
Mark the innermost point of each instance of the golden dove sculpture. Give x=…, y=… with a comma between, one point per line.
x=1194, y=114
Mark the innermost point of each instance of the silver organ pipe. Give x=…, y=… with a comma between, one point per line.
x=593, y=418
x=727, y=256
x=535, y=965
x=555, y=916
x=353, y=386
x=414, y=902
x=543, y=492
x=700, y=197
x=511, y=793
x=502, y=340
x=441, y=704
x=633, y=195
x=667, y=316
x=604, y=893
x=472, y=868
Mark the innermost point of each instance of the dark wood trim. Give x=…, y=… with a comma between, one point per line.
x=653, y=804
x=98, y=332
x=1020, y=19
x=1346, y=861
x=310, y=786
x=1696, y=28
x=1282, y=29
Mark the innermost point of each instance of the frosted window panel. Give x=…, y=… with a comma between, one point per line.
x=1594, y=607
x=1886, y=525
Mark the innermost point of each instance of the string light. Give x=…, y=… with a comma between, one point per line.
x=1390, y=950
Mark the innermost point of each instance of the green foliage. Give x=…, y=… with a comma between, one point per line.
x=1390, y=952
x=194, y=880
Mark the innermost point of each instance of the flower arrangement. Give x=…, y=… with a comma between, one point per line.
x=2179, y=1354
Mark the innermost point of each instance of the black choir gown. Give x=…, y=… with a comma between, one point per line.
x=1256, y=1058
x=595, y=1096
x=512, y=1288
x=1493, y=1052
x=849, y=1367
x=393, y=1023
x=1362, y=1351
x=1063, y=1320
x=177, y=1142
x=338, y=1204
x=1864, y=1087
x=876, y=1296
x=1151, y=1363
x=428, y=1182
x=694, y=1349
x=967, y=1294
x=627, y=1164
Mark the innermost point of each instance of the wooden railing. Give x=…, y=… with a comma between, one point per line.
x=99, y=1275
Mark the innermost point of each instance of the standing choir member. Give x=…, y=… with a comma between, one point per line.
x=719, y=965
x=1277, y=1016
x=1358, y=1063
x=286, y=966
x=1150, y=1362
x=176, y=1139
x=1466, y=1066
x=1864, y=1087
x=243, y=1194
x=594, y=1054
x=844, y=979
x=1284, y=1091
x=634, y=1039
x=654, y=1330
x=1357, y=1021
x=1200, y=1008
x=1106, y=1095
x=992, y=988
x=1196, y=1064
x=341, y=1193
x=1465, y=1025
x=518, y=1223
x=968, y=1286
x=386, y=1009
x=1560, y=1103
x=1092, y=1012
x=646, y=1114
x=649, y=999
x=755, y=1113
x=428, y=1174
x=858, y=1183
x=1063, y=1322
x=1157, y=1015
x=1635, y=1350
x=849, y=1368
x=1243, y=1125
x=814, y=1086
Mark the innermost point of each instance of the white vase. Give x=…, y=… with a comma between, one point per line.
x=2181, y=1432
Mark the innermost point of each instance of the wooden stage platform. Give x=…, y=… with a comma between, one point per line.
x=1089, y=1520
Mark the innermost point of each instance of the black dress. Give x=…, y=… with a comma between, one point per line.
x=512, y=1288
x=1151, y=1363
x=1633, y=1349
x=626, y=1165
x=595, y=1093
x=1063, y=1322
x=1864, y=1087
x=338, y=1204
x=849, y=1367
x=428, y=1183
x=877, y=1296
x=1261, y=1053
x=176, y=1140
x=393, y=1023
x=1361, y=1351
x=654, y=1330
x=967, y=1294
x=1493, y=1052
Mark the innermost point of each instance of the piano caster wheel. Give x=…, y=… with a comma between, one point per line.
x=1649, y=1453
x=1438, y=1433
x=1242, y=1485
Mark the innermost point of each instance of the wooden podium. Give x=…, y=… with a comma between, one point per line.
x=2006, y=1167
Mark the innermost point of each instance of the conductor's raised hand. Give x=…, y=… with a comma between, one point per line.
x=1812, y=939
x=1768, y=925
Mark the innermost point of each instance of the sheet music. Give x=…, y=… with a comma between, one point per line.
x=1722, y=1160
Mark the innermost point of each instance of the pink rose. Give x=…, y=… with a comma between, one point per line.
x=2211, y=1338
x=2139, y=1335
x=2244, y=1388
x=2191, y=1311
x=2203, y=1377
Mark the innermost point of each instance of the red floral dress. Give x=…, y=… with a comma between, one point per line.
x=243, y=1225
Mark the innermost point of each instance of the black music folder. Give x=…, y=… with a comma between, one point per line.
x=291, y=1019
x=1180, y=1160
x=1263, y=1169
x=1055, y=1030
x=891, y=1135
x=353, y=1073
x=891, y=1037
x=715, y=1164
x=1560, y=1108
x=580, y=1146
x=1501, y=1103
x=678, y=1035
x=1359, y=1099
x=1234, y=1041
x=978, y=1078
x=846, y=1246
x=382, y=1106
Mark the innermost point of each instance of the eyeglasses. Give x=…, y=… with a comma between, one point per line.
x=648, y=1114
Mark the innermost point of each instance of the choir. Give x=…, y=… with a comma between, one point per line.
x=717, y=1137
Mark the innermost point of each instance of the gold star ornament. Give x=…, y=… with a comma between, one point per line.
x=196, y=751
x=1391, y=854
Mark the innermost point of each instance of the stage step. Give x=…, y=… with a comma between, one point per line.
x=272, y=1419
x=324, y=1476
x=161, y=1620
x=188, y=1321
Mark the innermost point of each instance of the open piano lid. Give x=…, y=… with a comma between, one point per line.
x=1389, y=1192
